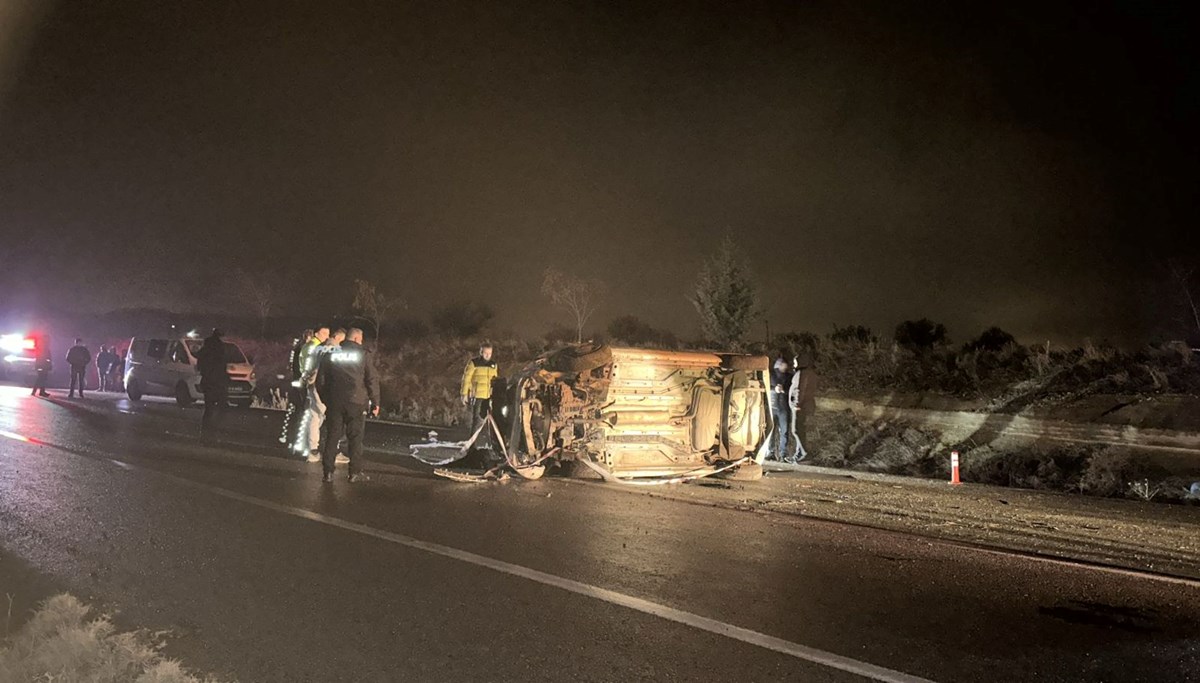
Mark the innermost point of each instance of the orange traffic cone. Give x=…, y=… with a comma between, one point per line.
x=954, y=479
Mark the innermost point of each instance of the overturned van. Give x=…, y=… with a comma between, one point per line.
x=637, y=414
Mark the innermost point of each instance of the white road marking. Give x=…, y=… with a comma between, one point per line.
x=827, y=659
x=745, y=635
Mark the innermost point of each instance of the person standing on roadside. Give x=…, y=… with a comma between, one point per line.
x=42, y=366
x=118, y=373
x=105, y=361
x=781, y=382
x=348, y=385
x=803, y=401
x=476, y=389
x=335, y=342
x=78, y=357
x=295, y=391
x=308, y=444
x=214, y=380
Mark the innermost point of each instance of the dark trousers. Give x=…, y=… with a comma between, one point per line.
x=800, y=427
x=782, y=413
x=40, y=381
x=215, y=400
x=347, y=421
x=78, y=376
x=480, y=407
x=297, y=404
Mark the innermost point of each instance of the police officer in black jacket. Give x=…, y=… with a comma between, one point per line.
x=214, y=380
x=349, y=387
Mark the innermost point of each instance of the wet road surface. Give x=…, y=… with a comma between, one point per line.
x=264, y=574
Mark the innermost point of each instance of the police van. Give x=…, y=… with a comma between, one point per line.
x=167, y=367
x=19, y=353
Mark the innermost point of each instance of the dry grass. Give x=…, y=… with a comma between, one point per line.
x=65, y=643
x=841, y=439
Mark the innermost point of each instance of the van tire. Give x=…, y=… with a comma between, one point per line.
x=183, y=397
x=134, y=390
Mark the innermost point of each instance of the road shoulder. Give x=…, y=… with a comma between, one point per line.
x=1145, y=537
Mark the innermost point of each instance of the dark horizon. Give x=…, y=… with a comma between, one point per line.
x=1030, y=168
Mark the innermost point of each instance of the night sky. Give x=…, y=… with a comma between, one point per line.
x=1016, y=165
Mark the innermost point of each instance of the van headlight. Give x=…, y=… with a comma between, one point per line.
x=252, y=377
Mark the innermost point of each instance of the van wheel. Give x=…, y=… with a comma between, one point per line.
x=183, y=397
x=134, y=390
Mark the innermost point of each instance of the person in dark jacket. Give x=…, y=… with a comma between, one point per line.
x=348, y=385
x=214, y=380
x=803, y=401
x=42, y=366
x=106, y=360
x=781, y=382
x=118, y=371
x=78, y=358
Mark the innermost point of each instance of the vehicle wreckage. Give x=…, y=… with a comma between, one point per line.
x=636, y=416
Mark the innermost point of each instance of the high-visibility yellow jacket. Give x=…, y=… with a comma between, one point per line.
x=310, y=359
x=477, y=378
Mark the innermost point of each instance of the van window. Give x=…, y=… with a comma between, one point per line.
x=233, y=354
x=138, y=349
x=158, y=348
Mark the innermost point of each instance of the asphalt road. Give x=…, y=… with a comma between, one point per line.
x=264, y=574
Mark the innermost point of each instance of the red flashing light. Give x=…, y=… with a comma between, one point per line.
x=30, y=344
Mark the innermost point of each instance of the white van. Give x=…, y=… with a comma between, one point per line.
x=167, y=367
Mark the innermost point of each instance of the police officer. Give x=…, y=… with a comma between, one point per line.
x=214, y=380
x=43, y=365
x=348, y=385
x=78, y=357
x=308, y=440
x=291, y=419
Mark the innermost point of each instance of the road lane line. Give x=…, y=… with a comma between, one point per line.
x=827, y=659
x=745, y=635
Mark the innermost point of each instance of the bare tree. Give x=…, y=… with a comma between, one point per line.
x=259, y=292
x=577, y=296
x=1183, y=277
x=374, y=306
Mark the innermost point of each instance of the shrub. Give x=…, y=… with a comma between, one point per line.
x=1055, y=468
x=992, y=339
x=920, y=335
x=1110, y=471
x=853, y=334
x=63, y=642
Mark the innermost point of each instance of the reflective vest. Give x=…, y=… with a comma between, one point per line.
x=309, y=359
